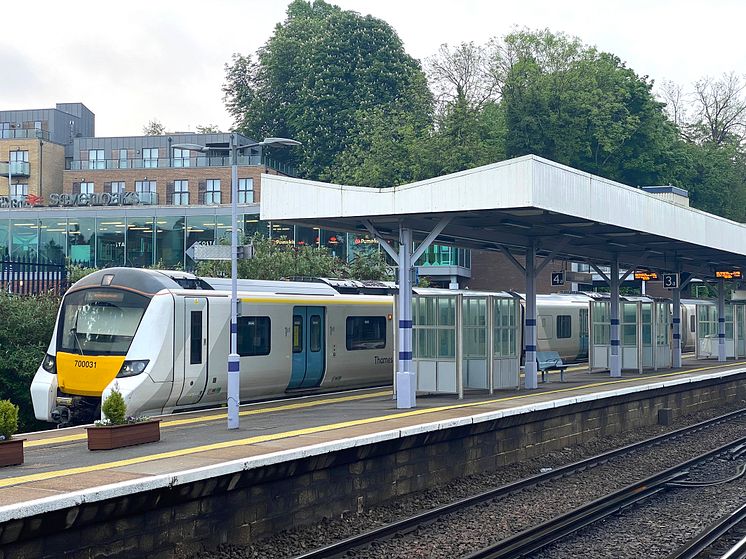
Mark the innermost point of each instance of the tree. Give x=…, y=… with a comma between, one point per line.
x=462, y=74
x=720, y=110
x=154, y=128
x=208, y=129
x=323, y=70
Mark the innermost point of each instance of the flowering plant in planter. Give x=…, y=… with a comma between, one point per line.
x=11, y=450
x=117, y=429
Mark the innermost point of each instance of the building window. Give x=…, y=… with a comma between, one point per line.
x=123, y=163
x=86, y=188
x=19, y=162
x=181, y=193
x=245, y=191
x=564, y=326
x=181, y=157
x=146, y=192
x=212, y=194
x=18, y=192
x=117, y=187
x=150, y=158
x=96, y=159
x=253, y=337
x=366, y=332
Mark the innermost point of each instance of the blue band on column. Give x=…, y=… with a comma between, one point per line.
x=405, y=324
x=530, y=348
x=677, y=336
x=721, y=336
x=405, y=356
x=234, y=328
x=615, y=322
x=530, y=322
x=614, y=343
x=721, y=320
x=676, y=320
x=233, y=366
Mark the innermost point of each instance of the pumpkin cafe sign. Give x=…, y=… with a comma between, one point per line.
x=69, y=200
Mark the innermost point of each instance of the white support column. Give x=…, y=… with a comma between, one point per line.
x=721, y=319
x=616, y=356
x=406, y=379
x=531, y=381
x=676, y=320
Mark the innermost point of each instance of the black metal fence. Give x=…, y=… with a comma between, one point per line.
x=22, y=276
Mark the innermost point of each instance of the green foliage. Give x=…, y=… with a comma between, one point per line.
x=114, y=408
x=26, y=325
x=275, y=260
x=154, y=127
x=8, y=419
x=317, y=78
x=76, y=272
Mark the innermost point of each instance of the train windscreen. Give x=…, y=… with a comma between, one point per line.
x=100, y=321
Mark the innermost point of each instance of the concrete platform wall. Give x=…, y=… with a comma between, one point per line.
x=247, y=506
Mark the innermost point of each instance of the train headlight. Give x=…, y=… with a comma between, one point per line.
x=49, y=364
x=132, y=368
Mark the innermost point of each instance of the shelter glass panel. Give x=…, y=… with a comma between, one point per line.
x=140, y=242
x=110, y=242
x=169, y=241
x=474, y=327
x=24, y=235
x=52, y=240
x=81, y=241
x=646, y=313
x=504, y=332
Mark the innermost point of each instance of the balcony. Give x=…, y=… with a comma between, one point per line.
x=15, y=168
x=24, y=134
x=176, y=163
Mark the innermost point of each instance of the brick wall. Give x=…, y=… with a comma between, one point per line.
x=492, y=271
x=249, y=505
x=164, y=175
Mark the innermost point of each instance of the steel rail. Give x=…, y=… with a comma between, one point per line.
x=538, y=537
x=710, y=535
x=411, y=523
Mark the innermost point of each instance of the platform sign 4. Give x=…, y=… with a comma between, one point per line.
x=558, y=278
x=670, y=281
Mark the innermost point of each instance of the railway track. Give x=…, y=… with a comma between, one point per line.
x=711, y=542
x=577, y=518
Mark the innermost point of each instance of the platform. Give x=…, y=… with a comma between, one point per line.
x=60, y=471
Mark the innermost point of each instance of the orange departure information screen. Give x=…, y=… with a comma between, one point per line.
x=728, y=274
x=646, y=275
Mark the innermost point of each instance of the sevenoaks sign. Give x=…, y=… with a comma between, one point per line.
x=73, y=200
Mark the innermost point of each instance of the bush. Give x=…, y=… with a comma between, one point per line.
x=114, y=407
x=8, y=419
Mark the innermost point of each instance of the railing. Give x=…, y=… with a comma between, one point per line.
x=23, y=133
x=22, y=276
x=177, y=162
x=15, y=168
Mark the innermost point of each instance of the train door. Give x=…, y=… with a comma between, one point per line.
x=195, y=350
x=308, y=347
x=583, y=334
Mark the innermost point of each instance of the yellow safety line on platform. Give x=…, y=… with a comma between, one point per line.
x=204, y=419
x=309, y=431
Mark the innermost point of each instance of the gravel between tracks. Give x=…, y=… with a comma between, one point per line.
x=459, y=535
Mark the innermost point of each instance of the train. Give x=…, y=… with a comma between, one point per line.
x=162, y=339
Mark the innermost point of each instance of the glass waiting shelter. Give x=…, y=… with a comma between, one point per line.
x=644, y=333
x=464, y=340
x=706, y=330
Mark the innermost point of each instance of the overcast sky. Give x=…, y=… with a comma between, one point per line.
x=134, y=61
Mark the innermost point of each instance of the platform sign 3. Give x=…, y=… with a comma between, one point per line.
x=670, y=281
x=558, y=278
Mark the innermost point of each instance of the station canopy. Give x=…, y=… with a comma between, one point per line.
x=565, y=212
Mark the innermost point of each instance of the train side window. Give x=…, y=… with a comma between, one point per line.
x=297, y=333
x=314, y=333
x=195, y=344
x=564, y=326
x=254, y=335
x=366, y=332
x=544, y=327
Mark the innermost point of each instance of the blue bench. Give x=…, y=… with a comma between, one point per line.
x=550, y=361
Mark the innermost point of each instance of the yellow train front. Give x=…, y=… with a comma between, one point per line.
x=162, y=338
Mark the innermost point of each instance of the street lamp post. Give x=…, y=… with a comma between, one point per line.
x=234, y=373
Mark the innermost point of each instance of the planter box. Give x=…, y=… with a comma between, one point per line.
x=117, y=436
x=11, y=452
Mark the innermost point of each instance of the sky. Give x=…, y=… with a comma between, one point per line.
x=137, y=61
